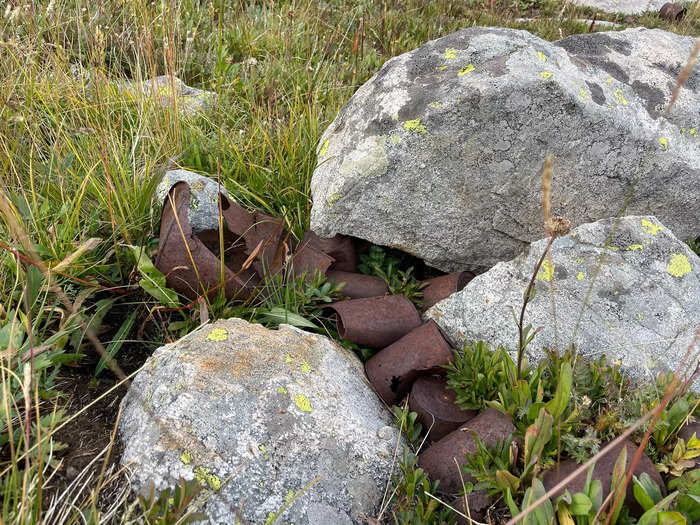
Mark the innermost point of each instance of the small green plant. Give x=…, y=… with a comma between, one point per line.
x=379, y=263
x=171, y=506
x=476, y=375
x=681, y=506
x=406, y=421
x=412, y=502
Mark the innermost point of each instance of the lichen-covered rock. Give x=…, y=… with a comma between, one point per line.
x=203, y=212
x=629, y=7
x=623, y=287
x=257, y=415
x=440, y=152
x=172, y=91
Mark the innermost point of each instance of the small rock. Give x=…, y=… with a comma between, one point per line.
x=274, y=410
x=203, y=212
x=165, y=88
x=603, y=471
x=491, y=426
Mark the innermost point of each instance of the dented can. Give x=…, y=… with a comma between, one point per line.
x=442, y=287
x=393, y=370
x=375, y=322
x=357, y=285
x=341, y=248
x=435, y=405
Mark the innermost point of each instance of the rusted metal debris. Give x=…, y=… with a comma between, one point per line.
x=441, y=287
x=393, y=370
x=444, y=460
x=339, y=247
x=375, y=322
x=191, y=268
x=435, y=405
x=358, y=285
x=672, y=12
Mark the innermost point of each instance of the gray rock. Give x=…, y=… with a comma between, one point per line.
x=191, y=101
x=203, y=212
x=440, y=153
x=628, y=7
x=630, y=291
x=257, y=415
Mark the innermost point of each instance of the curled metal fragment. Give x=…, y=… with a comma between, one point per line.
x=307, y=260
x=393, y=370
x=435, y=405
x=442, y=287
x=341, y=248
x=357, y=285
x=189, y=266
x=375, y=322
x=267, y=232
x=672, y=12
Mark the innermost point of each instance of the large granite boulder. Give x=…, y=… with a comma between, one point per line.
x=626, y=288
x=440, y=152
x=256, y=416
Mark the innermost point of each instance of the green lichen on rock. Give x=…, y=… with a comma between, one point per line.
x=679, y=265
x=415, y=126
x=302, y=402
x=217, y=334
x=324, y=148
x=186, y=457
x=546, y=272
x=650, y=227
x=206, y=478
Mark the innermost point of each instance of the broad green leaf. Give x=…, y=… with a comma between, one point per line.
x=153, y=281
x=506, y=480
x=649, y=492
x=670, y=518
x=580, y=504
x=280, y=315
x=558, y=404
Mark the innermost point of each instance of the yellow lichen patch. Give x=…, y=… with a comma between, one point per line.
x=542, y=56
x=580, y=276
x=650, y=227
x=217, y=334
x=442, y=68
x=693, y=131
x=186, y=457
x=679, y=265
x=324, y=148
x=664, y=142
x=466, y=69
x=634, y=247
x=619, y=96
x=287, y=358
x=546, y=74
x=281, y=390
x=415, y=126
x=609, y=80
x=434, y=105
x=335, y=197
x=613, y=248
x=395, y=139
x=546, y=271
x=450, y=54
x=305, y=367
x=302, y=402
x=204, y=477
x=582, y=92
